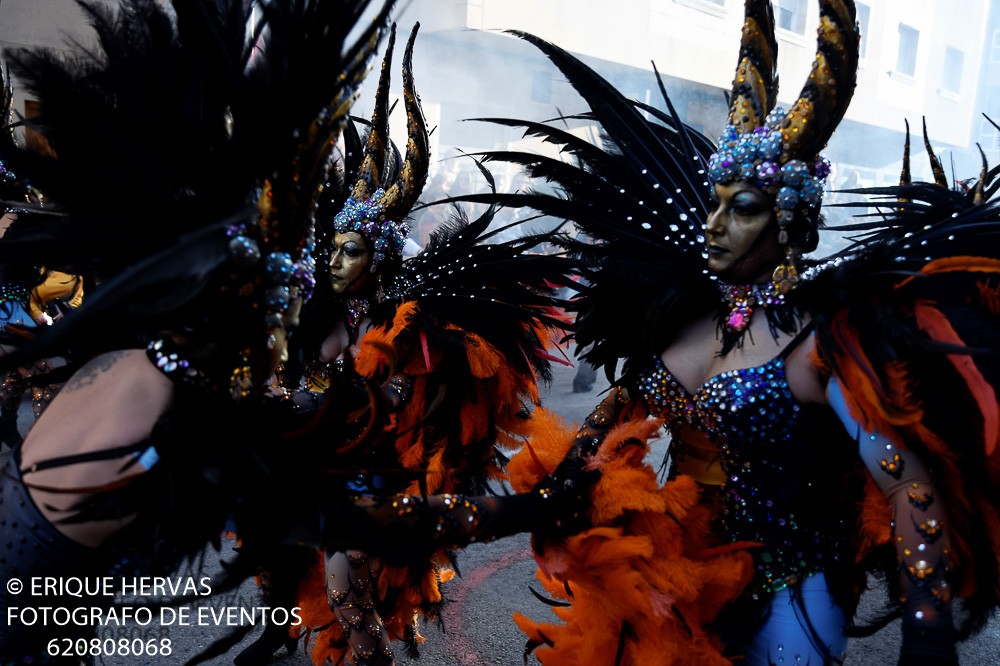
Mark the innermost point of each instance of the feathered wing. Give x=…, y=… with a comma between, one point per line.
x=201, y=115
x=474, y=334
x=639, y=199
x=908, y=319
x=643, y=585
x=163, y=136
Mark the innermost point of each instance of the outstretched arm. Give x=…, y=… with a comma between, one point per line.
x=595, y=428
x=920, y=535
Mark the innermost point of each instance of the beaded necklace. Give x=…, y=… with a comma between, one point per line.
x=739, y=302
x=357, y=308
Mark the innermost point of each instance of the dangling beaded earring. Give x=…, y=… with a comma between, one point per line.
x=786, y=275
x=380, y=292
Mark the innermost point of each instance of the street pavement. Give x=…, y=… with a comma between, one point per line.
x=495, y=582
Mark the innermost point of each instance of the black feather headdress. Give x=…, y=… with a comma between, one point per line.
x=186, y=127
x=639, y=200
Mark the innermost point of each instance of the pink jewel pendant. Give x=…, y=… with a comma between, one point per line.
x=739, y=318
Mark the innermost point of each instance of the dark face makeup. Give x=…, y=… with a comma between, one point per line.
x=349, y=262
x=738, y=234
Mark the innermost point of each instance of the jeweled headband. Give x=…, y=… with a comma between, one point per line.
x=365, y=217
x=775, y=150
x=756, y=158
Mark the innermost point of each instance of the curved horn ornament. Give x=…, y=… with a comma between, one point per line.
x=377, y=210
x=781, y=156
x=755, y=87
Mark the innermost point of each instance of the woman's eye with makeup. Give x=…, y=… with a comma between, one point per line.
x=747, y=206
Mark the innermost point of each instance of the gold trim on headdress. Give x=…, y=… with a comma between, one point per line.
x=399, y=198
x=755, y=87
x=377, y=145
x=781, y=154
x=375, y=211
x=824, y=99
x=937, y=169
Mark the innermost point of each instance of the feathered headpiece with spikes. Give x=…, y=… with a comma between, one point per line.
x=376, y=209
x=779, y=153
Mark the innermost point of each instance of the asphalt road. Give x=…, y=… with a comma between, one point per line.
x=494, y=582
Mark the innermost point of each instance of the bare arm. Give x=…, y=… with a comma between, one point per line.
x=920, y=535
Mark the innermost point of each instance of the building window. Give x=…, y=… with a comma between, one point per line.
x=659, y=8
x=906, y=59
x=991, y=102
x=720, y=3
x=864, y=12
x=791, y=15
x=951, y=79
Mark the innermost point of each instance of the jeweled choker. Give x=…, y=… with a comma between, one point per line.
x=742, y=299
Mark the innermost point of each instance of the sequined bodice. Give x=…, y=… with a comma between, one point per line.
x=772, y=472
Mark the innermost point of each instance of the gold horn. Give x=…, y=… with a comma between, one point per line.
x=827, y=93
x=939, y=178
x=377, y=145
x=404, y=192
x=979, y=198
x=755, y=87
x=904, y=172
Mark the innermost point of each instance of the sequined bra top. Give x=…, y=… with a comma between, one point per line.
x=774, y=477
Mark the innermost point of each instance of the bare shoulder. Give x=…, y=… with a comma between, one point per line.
x=114, y=367
x=803, y=373
x=113, y=400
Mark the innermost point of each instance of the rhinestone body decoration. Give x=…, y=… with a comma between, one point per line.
x=777, y=491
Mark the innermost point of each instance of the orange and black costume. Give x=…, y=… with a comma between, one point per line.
x=905, y=324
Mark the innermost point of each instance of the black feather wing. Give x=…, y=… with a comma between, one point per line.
x=639, y=200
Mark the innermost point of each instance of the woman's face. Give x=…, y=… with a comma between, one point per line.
x=741, y=235
x=349, y=263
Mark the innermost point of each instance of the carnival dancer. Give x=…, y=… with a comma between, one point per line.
x=826, y=420
x=217, y=152
x=458, y=358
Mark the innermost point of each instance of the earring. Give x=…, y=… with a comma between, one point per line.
x=786, y=275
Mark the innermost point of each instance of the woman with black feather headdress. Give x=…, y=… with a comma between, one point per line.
x=457, y=347
x=826, y=420
x=216, y=143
